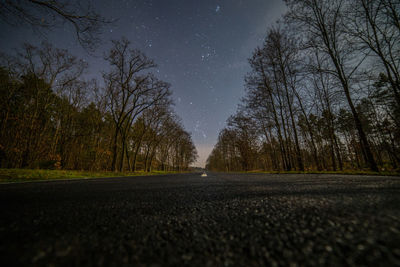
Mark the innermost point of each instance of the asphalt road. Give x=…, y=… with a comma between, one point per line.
x=222, y=219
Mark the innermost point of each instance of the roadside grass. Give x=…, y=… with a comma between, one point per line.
x=345, y=172
x=30, y=175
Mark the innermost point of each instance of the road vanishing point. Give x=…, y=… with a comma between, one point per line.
x=187, y=220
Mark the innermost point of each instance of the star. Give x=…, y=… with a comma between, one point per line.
x=217, y=9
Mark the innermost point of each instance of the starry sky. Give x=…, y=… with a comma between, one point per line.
x=201, y=48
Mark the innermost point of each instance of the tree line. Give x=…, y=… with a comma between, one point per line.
x=51, y=117
x=323, y=92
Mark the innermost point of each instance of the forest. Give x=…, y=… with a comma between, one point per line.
x=53, y=118
x=323, y=93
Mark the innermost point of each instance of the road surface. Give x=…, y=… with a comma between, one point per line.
x=186, y=219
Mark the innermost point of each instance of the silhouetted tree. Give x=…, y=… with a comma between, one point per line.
x=45, y=15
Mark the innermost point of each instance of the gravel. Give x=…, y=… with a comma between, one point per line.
x=186, y=219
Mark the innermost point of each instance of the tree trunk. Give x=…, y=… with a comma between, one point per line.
x=114, y=151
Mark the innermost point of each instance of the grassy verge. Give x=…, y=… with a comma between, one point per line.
x=346, y=172
x=27, y=175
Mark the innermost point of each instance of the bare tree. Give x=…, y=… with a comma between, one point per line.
x=46, y=15
x=375, y=24
x=130, y=91
x=52, y=118
x=322, y=23
x=322, y=91
x=43, y=72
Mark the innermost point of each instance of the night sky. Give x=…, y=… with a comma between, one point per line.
x=201, y=48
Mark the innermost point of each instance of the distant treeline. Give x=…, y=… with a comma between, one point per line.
x=52, y=118
x=323, y=92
